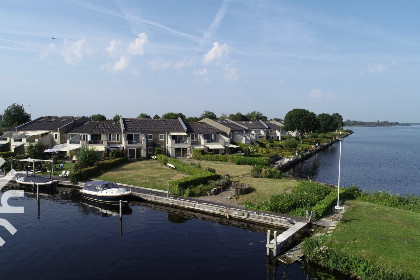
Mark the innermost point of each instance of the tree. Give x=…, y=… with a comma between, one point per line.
x=327, y=123
x=15, y=115
x=116, y=118
x=209, y=115
x=277, y=119
x=36, y=150
x=98, y=117
x=237, y=117
x=171, y=115
x=300, y=120
x=193, y=119
x=223, y=116
x=144, y=116
x=255, y=116
x=87, y=156
x=156, y=117
x=338, y=121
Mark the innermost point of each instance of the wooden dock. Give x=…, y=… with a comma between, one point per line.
x=279, y=242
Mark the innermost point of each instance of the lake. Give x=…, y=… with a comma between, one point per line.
x=68, y=238
x=373, y=158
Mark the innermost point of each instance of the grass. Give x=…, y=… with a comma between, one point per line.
x=148, y=173
x=381, y=234
x=264, y=187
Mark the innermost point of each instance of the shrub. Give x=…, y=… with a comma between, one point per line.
x=158, y=151
x=116, y=154
x=87, y=156
x=7, y=154
x=86, y=173
x=337, y=260
x=290, y=144
x=212, y=170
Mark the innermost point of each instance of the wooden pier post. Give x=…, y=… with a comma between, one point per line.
x=120, y=209
x=268, y=242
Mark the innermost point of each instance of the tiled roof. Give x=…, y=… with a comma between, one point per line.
x=252, y=124
x=201, y=127
x=230, y=125
x=273, y=126
x=49, y=123
x=98, y=127
x=152, y=125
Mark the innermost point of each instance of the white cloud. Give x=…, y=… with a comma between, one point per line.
x=202, y=73
x=73, y=51
x=160, y=64
x=136, y=47
x=217, y=53
x=45, y=53
x=121, y=64
x=113, y=46
x=377, y=68
x=316, y=94
x=230, y=74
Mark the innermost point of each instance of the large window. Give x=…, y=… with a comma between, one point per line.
x=150, y=137
x=133, y=138
x=113, y=137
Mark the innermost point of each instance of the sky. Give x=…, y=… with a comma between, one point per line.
x=358, y=58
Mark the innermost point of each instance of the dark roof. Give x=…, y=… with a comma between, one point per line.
x=201, y=127
x=98, y=127
x=252, y=124
x=50, y=123
x=152, y=125
x=230, y=125
x=273, y=126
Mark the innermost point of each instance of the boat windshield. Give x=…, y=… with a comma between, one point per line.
x=109, y=186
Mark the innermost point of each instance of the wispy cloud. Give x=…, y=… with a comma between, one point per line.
x=376, y=68
x=121, y=64
x=216, y=54
x=215, y=23
x=230, y=73
x=202, y=73
x=136, y=46
x=73, y=51
x=159, y=64
x=317, y=94
x=113, y=46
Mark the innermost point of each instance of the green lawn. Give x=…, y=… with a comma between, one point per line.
x=264, y=187
x=382, y=234
x=147, y=173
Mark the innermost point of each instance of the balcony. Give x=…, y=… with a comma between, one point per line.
x=95, y=142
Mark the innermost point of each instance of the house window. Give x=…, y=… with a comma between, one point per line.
x=150, y=150
x=150, y=137
x=55, y=136
x=161, y=137
x=133, y=138
x=193, y=137
x=113, y=137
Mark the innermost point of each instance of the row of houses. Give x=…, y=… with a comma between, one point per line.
x=139, y=137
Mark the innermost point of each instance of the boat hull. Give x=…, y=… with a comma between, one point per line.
x=106, y=199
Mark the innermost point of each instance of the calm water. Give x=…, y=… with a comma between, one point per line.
x=373, y=158
x=67, y=239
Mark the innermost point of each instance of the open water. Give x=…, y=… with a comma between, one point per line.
x=67, y=238
x=373, y=158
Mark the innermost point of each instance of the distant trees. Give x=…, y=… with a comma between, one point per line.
x=301, y=120
x=156, y=117
x=172, y=115
x=98, y=117
x=237, y=117
x=144, y=116
x=327, y=123
x=14, y=115
x=209, y=115
x=255, y=116
x=116, y=118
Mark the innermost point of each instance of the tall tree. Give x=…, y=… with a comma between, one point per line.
x=172, y=115
x=237, y=117
x=209, y=115
x=326, y=123
x=14, y=115
x=338, y=121
x=156, y=117
x=300, y=120
x=98, y=117
x=255, y=116
x=36, y=150
x=144, y=116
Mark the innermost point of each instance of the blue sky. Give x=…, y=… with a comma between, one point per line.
x=358, y=58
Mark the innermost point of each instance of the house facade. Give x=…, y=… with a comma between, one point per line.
x=208, y=138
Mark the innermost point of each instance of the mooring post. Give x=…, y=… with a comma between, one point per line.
x=37, y=191
x=275, y=244
x=167, y=194
x=120, y=209
x=268, y=242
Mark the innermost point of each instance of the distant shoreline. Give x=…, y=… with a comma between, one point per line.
x=349, y=123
